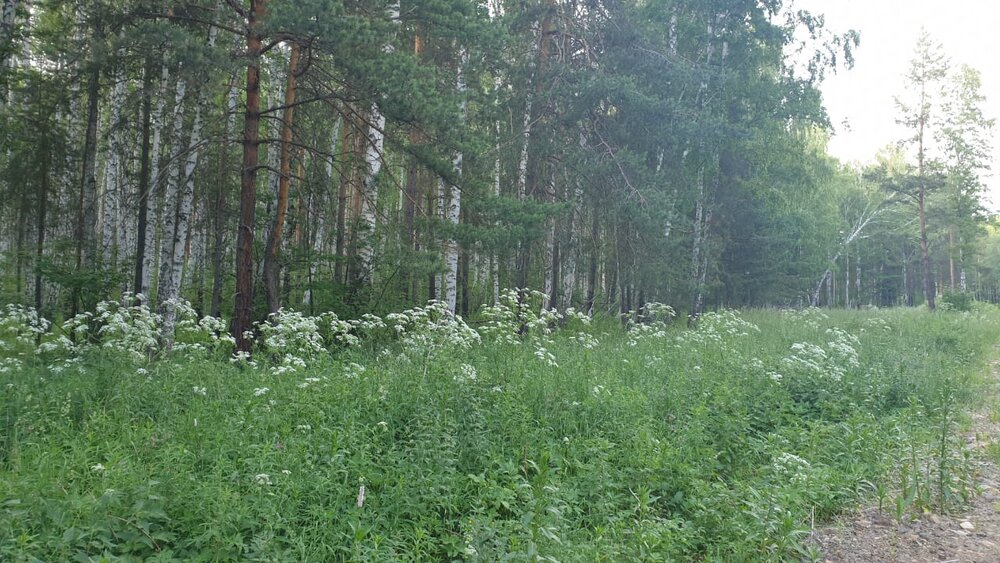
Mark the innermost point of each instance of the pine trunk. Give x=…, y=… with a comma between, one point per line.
x=243, y=311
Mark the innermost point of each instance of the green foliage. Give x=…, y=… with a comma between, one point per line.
x=658, y=443
x=957, y=301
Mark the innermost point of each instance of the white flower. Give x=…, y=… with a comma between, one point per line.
x=97, y=468
x=285, y=472
x=200, y=390
x=353, y=370
x=262, y=479
x=260, y=391
x=468, y=373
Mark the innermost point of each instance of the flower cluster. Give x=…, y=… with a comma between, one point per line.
x=466, y=373
x=719, y=331
x=520, y=312
x=834, y=361
x=291, y=338
x=811, y=317
x=586, y=340
x=21, y=325
x=791, y=467
x=126, y=326
x=431, y=328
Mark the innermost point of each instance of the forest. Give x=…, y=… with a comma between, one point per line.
x=544, y=279
x=367, y=156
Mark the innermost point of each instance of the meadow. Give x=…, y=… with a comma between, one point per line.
x=524, y=435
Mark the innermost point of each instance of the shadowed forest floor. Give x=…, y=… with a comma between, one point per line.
x=968, y=535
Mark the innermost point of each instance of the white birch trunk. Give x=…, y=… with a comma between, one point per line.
x=112, y=176
x=454, y=209
x=170, y=195
x=494, y=259
x=522, y=163
x=180, y=236
x=373, y=165
x=570, y=253
x=152, y=200
x=550, y=267
x=171, y=286
x=320, y=230
x=273, y=150
x=868, y=215
x=6, y=29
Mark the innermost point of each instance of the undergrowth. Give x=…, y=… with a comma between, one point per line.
x=533, y=436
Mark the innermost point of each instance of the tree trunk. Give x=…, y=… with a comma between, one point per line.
x=220, y=201
x=369, y=187
x=171, y=197
x=144, y=191
x=454, y=209
x=87, y=203
x=7, y=15
x=594, y=255
x=113, y=169
x=925, y=254
x=153, y=210
x=243, y=310
x=271, y=266
x=43, y=196
x=344, y=191
x=319, y=212
x=182, y=231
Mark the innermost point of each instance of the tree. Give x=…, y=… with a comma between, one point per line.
x=928, y=69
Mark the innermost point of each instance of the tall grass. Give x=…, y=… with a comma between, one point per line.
x=590, y=443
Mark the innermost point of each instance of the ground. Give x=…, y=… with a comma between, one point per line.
x=970, y=535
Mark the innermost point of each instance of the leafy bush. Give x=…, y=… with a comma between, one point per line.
x=957, y=301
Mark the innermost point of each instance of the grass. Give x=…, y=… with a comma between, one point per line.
x=723, y=443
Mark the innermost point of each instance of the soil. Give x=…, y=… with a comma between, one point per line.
x=971, y=534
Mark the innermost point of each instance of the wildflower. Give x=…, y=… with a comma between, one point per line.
x=353, y=370
x=468, y=373
x=260, y=391
x=285, y=472
x=97, y=468
x=262, y=479
x=200, y=390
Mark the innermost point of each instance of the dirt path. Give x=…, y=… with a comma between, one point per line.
x=971, y=535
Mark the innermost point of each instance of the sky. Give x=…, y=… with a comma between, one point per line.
x=860, y=101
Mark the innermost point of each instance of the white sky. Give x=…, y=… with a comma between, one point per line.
x=860, y=101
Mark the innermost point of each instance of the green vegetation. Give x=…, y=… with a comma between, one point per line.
x=725, y=441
